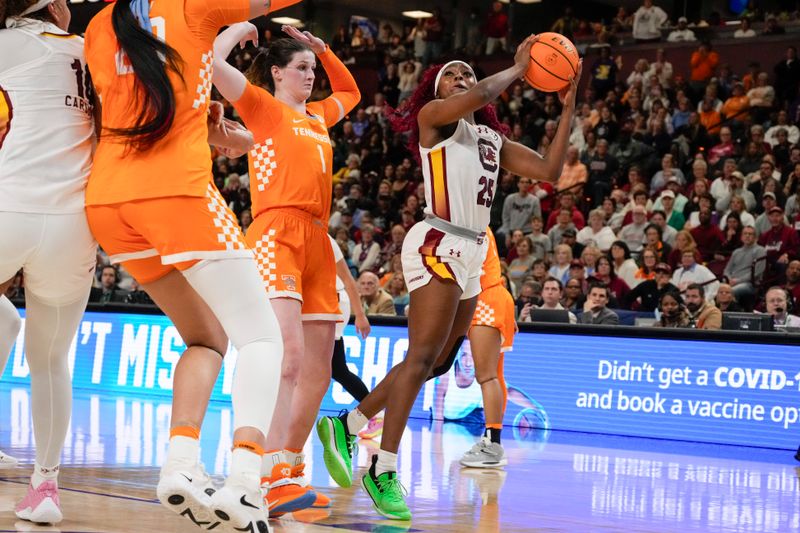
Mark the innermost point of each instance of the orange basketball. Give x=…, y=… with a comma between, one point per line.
x=553, y=60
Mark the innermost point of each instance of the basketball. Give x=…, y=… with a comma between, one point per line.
x=553, y=60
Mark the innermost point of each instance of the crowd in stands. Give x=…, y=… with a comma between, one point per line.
x=678, y=192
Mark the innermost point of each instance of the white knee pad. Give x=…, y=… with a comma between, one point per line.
x=234, y=291
x=10, y=324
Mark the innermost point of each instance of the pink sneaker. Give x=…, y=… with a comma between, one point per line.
x=41, y=505
x=373, y=430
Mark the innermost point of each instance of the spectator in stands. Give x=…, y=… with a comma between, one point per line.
x=768, y=201
x=564, y=224
x=772, y=27
x=647, y=294
x=725, y=301
x=703, y=64
x=762, y=98
x=520, y=267
x=562, y=256
x=542, y=246
x=647, y=22
x=604, y=271
x=245, y=219
x=529, y=294
x=604, y=72
x=683, y=241
x=668, y=233
x=782, y=123
x=746, y=268
x=603, y=168
x=408, y=73
x=673, y=311
x=518, y=208
x=496, y=29
x=566, y=24
x=539, y=271
x=735, y=193
x=375, y=300
x=653, y=240
x=707, y=235
x=777, y=303
x=792, y=285
x=787, y=77
x=682, y=33
x=366, y=256
x=724, y=149
x=624, y=265
x=661, y=69
x=744, y=31
x=551, y=299
x=109, y=290
x=595, y=310
x=781, y=241
x=633, y=234
x=574, y=173
x=646, y=271
x=674, y=217
x=433, y=37
x=566, y=201
x=693, y=272
x=396, y=287
x=680, y=201
x=596, y=232
x=668, y=170
x=733, y=240
x=574, y=298
x=703, y=314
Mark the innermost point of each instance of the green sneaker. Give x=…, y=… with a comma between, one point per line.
x=338, y=449
x=387, y=493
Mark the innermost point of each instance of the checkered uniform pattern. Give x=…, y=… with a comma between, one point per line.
x=265, y=255
x=229, y=233
x=263, y=157
x=206, y=73
x=484, y=314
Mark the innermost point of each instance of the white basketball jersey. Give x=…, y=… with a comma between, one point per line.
x=46, y=121
x=461, y=176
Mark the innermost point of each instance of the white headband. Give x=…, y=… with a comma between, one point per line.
x=441, y=72
x=37, y=6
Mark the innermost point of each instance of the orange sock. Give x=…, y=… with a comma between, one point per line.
x=185, y=431
x=249, y=446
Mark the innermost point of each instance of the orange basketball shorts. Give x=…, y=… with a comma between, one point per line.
x=496, y=309
x=295, y=258
x=154, y=236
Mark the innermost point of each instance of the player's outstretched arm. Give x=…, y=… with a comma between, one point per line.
x=227, y=79
x=521, y=160
x=441, y=112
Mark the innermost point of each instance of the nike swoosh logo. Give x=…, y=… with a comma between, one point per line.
x=187, y=477
x=298, y=120
x=246, y=503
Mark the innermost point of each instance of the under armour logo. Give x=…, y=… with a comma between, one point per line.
x=455, y=253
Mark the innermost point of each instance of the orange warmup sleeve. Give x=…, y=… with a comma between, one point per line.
x=345, y=90
x=206, y=17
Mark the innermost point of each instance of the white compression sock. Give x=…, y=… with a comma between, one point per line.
x=246, y=465
x=251, y=325
x=49, y=331
x=183, y=450
x=10, y=323
x=355, y=421
x=42, y=474
x=387, y=462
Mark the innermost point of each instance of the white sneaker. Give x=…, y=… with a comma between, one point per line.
x=239, y=507
x=6, y=461
x=41, y=505
x=186, y=490
x=485, y=454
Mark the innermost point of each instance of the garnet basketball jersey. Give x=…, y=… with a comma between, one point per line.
x=46, y=121
x=461, y=176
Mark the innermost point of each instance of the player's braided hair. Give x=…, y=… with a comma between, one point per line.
x=404, y=118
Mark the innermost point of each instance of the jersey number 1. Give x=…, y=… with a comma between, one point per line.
x=486, y=194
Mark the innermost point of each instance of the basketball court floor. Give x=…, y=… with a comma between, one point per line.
x=555, y=481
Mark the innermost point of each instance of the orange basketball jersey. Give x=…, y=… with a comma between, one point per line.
x=490, y=270
x=290, y=162
x=180, y=163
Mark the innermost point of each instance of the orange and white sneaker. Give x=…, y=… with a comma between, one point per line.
x=373, y=430
x=284, y=493
x=298, y=474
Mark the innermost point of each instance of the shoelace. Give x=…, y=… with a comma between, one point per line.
x=392, y=488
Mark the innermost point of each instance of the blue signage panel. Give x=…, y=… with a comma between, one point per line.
x=722, y=392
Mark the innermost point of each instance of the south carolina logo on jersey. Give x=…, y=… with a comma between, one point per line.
x=488, y=154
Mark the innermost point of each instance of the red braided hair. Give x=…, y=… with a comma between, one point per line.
x=404, y=118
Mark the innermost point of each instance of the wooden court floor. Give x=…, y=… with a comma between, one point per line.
x=554, y=481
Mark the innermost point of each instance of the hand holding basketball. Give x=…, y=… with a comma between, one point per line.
x=522, y=58
x=568, y=94
x=554, y=62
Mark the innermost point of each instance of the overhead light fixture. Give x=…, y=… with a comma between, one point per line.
x=290, y=21
x=417, y=14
